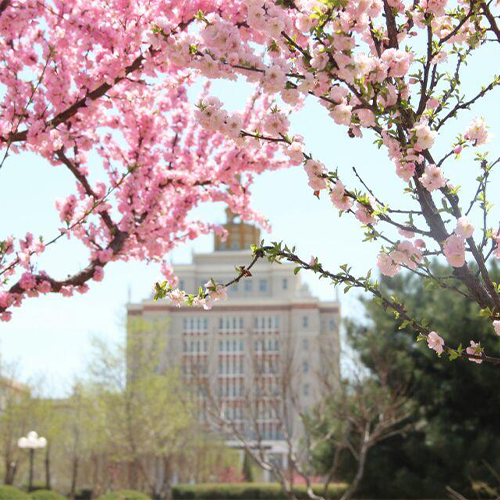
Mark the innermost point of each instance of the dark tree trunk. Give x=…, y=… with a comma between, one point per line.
x=74, y=477
x=48, y=485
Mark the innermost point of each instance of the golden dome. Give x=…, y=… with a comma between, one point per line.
x=240, y=235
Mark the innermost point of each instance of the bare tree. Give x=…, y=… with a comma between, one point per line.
x=351, y=415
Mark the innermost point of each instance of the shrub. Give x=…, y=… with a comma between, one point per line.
x=247, y=491
x=85, y=494
x=11, y=493
x=46, y=495
x=125, y=495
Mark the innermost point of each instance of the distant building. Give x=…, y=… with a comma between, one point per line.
x=271, y=323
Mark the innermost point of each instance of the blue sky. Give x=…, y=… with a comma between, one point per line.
x=50, y=336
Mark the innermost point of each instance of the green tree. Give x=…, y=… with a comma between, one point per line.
x=15, y=399
x=454, y=440
x=247, y=469
x=145, y=421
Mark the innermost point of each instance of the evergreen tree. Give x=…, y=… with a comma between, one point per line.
x=454, y=440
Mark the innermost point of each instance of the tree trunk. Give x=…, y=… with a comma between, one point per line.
x=74, y=477
x=361, y=467
x=47, y=469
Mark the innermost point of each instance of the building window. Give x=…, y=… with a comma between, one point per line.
x=305, y=344
x=305, y=321
x=248, y=286
x=332, y=324
x=262, y=285
x=305, y=367
x=285, y=284
x=181, y=284
x=306, y=389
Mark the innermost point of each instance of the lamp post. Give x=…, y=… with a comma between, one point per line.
x=31, y=442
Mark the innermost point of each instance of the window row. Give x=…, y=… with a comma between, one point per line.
x=231, y=390
x=247, y=285
x=231, y=323
x=234, y=413
x=231, y=346
x=195, y=324
x=267, y=323
x=267, y=368
x=267, y=345
x=195, y=369
x=195, y=346
x=330, y=324
x=231, y=366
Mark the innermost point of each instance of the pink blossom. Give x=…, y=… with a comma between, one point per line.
x=98, y=273
x=364, y=215
x=67, y=291
x=342, y=114
x=315, y=170
x=397, y=62
x=366, y=117
x=214, y=294
x=496, y=326
x=406, y=233
x=338, y=94
x=474, y=350
x=291, y=96
x=295, y=152
x=405, y=170
x=477, y=132
x=176, y=297
x=274, y=79
x=386, y=265
x=408, y=254
x=339, y=197
x=105, y=255
x=425, y=136
x=6, y=316
x=276, y=123
x=454, y=251
x=435, y=342
x=433, y=178
x=44, y=287
x=6, y=300
x=464, y=228
x=27, y=281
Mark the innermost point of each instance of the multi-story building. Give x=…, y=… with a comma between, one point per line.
x=269, y=344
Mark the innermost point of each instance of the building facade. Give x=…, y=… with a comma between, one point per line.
x=270, y=344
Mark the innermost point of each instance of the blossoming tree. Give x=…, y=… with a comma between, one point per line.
x=85, y=87
x=390, y=69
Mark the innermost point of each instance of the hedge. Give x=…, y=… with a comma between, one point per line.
x=46, y=495
x=125, y=495
x=247, y=491
x=11, y=493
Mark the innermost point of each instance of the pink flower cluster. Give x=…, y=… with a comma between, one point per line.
x=477, y=132
x=454, y=246
x=406, y=254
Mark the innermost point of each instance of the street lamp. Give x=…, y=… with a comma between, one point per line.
x=32, y=442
